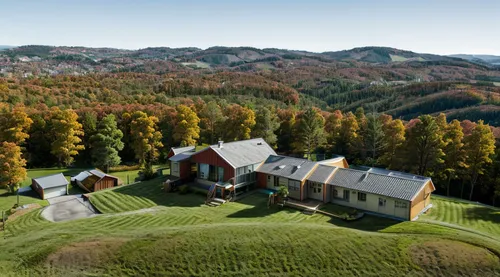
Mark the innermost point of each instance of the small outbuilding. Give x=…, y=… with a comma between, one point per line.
x=50, y=186
x=94, y=180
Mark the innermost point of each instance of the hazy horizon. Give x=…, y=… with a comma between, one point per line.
x=437, y=27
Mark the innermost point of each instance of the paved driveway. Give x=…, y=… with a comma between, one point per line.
x=68, y=207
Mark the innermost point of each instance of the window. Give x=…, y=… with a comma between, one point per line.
x=203, y=172
x=401, y=204
x=346, y=195
x=361, y=196
x=269, y=177
x=335, y=193
x=381, y=202
x=293, y=185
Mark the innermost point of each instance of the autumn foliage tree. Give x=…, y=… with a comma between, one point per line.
x=187, y=130
x=14, y=125
x=240, y=121
x=267, y=122
x=145, y=138
x=394, y=138
x=479, y=147
x=12, y=166
x=455, y=156
x=66, y=132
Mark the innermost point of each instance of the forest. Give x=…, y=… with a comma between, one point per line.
x=462, y=157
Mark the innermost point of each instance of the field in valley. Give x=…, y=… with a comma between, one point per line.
x=144, y=231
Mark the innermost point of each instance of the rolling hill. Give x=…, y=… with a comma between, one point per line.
x=383, y=79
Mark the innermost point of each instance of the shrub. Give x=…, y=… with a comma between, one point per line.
x=124, y=168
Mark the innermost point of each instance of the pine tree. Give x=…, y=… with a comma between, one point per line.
x=267, y=122
x=12, y=166
x=285, y=131
x=187, y=129
x=105, y=143
x=479, y=146
x=394, y=138
x=309, y=131
x=455, y=156
x=66, y=133
x=145, y=138
x=211, y=121
x=373, y=138
x=425, y=146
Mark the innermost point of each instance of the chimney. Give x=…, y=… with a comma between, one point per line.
x=220, y=143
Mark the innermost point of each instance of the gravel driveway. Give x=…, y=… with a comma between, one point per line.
x=68, y=207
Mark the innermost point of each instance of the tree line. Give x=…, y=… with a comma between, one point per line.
x=460, y=156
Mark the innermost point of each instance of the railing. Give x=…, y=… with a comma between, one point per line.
x=246, y=178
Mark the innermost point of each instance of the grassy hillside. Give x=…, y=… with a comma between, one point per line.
x=179, y=236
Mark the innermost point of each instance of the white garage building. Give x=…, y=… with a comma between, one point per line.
x=50, y=186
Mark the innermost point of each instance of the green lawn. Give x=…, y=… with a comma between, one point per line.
x=7, y=200
x=179, y=236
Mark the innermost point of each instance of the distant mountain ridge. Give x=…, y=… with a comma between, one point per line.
x=488, y=59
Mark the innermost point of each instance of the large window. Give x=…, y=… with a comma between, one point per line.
x=293, y=185
x=175, y=167
x=361, y=196
x=203, y=172
x=401, y=204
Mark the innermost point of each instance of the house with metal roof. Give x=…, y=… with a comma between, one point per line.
x=50, y=186
x=233, y=162
x=290, y=172
x=180, y=162
x=95, y=180
x=391, y=193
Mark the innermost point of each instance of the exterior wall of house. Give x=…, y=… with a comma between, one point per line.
x=105, y=183
x=170, y=154
x=373, y=203
x=211, y=157
x=261, y=180
x=314, y=190
x=421, y=201
x=185, y=170
x=342, y=163
x=37, y=188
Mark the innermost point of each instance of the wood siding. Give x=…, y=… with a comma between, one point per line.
x=185, y=170
x=170, y=154
x=37, y=188
x=342, y=163
x=211, y=157
x=421, y=201
x=105, y=183
x=261, y=180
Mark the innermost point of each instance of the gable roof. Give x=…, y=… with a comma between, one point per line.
x=322, y=173
x=243, y=152
x=287, y=167
x=385, y=185
x=181, y=156
x=178, y=150
x=92, y=172
x=51, y=181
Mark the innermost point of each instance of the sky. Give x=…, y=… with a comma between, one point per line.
x=425, y=26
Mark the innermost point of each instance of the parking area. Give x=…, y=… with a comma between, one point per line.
x=68, y=207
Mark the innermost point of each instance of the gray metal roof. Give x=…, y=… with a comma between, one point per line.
x=244, y=152
x=388, y=172
x=385, y=185
x=288, y=167
x=322, y=173
x=181, y=157
x=332, y=160
x=52, y=181
x=100, y=174
x=178, y=150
